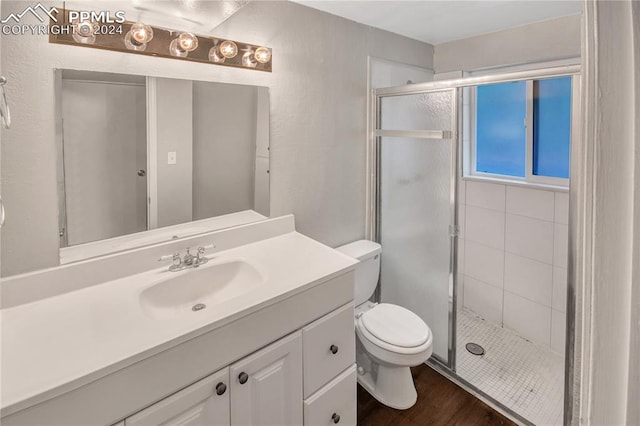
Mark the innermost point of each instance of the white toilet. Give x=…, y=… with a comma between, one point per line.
x=390, y=338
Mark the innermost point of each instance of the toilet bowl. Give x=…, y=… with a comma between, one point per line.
x=389, y=338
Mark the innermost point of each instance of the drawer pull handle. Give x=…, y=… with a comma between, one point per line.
x=243, y=377
x=334, y=350
x=221, y=388
x=335, y=417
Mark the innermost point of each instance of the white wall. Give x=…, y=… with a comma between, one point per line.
x=1, y=144
x=633, y=410
x=384, y=73
x=606, y=195
x=224, y=148
x=318, y=91
x=174, y=104
x=539, y=42
x=513, y=258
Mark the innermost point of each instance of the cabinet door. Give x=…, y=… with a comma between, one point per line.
x=205, y=403
x=266, y=387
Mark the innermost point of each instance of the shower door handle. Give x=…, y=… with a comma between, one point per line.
x=454, y=230
x=1, y=213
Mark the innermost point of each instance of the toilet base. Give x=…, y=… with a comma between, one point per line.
x=393, y=386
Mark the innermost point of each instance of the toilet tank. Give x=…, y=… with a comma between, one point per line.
x=367, y=271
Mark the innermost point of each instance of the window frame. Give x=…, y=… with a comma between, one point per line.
x=469, y=112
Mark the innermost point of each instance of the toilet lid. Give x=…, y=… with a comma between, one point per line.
x=396, y=325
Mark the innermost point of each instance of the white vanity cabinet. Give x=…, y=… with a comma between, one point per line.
x=203, y=403
x=307, y=377
x=263, y=388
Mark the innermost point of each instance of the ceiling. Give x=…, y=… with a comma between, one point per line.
x=437, y=22
x=199, y=16
x=431, y=21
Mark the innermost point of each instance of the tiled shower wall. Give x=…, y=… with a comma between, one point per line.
x=512, y=258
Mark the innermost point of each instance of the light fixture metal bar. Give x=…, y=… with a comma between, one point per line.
x=111, y=36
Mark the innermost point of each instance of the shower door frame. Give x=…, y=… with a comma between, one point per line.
x=373, y=207
x=452, y=135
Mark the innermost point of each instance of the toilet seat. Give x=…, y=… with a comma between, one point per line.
x=394, y=328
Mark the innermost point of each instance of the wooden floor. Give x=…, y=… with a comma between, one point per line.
x=440, y=402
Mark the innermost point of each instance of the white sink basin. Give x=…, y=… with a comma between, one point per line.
x=191, y=291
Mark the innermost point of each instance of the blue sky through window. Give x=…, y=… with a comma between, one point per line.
x=552, y=127
x=500, y=128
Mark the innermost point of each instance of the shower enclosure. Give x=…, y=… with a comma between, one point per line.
x=417, y=209
x=416, y=159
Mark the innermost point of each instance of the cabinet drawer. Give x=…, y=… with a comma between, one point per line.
x=320, y=339
x=335, y=403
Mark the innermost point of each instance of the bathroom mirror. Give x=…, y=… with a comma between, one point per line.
x=138, y=153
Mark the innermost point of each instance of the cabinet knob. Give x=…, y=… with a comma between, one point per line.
x=243, y=377
x=221, y=388
x=335, y=417
x=334, y=350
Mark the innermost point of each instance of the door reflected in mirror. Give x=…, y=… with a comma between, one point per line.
x=137, y=153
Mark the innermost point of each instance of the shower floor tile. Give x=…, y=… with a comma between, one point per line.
x=526, y=377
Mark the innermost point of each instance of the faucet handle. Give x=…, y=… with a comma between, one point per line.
x=202, y=249
x=201, y=257
x=175, y=257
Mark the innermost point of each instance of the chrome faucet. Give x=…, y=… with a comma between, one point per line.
x=189, y=260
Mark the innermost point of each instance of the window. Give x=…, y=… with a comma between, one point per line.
x=523, y=130
x=501, y=110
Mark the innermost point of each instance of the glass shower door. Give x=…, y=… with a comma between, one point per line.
x=416, y=226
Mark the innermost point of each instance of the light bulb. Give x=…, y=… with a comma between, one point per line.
x=142, y=33
x=188, y=42
x=83, y=31
x=248, y=60
x=262, y=55
x=185, y=43
x=228, y=49
x=138, y=36
x=215, y=55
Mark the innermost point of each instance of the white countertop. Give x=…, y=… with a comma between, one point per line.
x=57, y=344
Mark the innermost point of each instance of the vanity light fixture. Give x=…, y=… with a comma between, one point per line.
x=252, y=57
x=222, y=51
x=138, y=36
x=183, y=44
x=143, y=39
x=228, y=49
x=248, y=59
x=215, y=55
x=262, y=55
x=84, y=31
